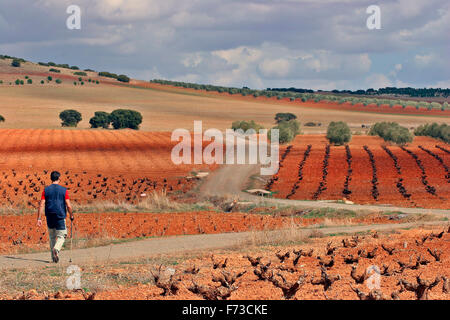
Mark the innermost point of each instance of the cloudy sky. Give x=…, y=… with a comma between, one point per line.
x=257, y=43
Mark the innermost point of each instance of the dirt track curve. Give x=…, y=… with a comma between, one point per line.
x=230, y=180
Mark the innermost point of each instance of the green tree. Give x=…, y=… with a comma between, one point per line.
x=284, y=117
x=123, y=118
x=29, y=81
x=245, y=125
x=287, y=130
x=434, y=130
x=70, y=118
x=123, y=78
x=15, y=63
x=2, y=119
x=339, y=133
x=100, y=119
x=391, y=131
x=49, y=78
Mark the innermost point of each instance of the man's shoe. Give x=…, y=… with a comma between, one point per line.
x=55, y=255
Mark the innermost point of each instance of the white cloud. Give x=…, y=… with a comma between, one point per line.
x=377, y=81
x=423, y=60
x=274, y=68
x=303, y=43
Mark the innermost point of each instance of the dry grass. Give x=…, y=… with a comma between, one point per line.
x=157, y=201
x=289, y=234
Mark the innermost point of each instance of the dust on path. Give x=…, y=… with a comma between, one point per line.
x=230, y=181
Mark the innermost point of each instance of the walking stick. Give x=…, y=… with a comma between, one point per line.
x=71, y=239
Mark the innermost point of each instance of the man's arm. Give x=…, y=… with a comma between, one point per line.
x=69, y=209
x=40, y=212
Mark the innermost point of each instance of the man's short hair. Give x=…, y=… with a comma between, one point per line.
x=54, y=176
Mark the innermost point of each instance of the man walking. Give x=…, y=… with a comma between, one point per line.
x=55, y=200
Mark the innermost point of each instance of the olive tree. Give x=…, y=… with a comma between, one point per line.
x=338, y=133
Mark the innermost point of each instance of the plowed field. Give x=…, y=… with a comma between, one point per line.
x=369, y=171
x=95, y=165
x=344, y=267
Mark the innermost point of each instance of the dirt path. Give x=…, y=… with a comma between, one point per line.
x=230, y=180
x=173, y=245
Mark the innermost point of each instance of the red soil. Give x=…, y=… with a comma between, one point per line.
x=362, y=175
x=19, y=232
x=95, y=165
x=249, y=287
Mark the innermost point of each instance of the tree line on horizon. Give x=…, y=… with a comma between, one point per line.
x=308, y=96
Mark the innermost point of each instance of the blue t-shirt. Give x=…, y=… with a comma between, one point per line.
x=55, y=206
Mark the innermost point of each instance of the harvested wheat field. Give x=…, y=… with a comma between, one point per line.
x=165, y=108
x=95, y=165
x=372, y=108
x=367, y=171
x=407, y=265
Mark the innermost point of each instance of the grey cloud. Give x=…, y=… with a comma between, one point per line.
x=299, y=43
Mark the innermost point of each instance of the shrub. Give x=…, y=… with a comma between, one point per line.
x=2, y=119
x=391, y=131
x=123, y=78
x=436, y=105
x=17, y=82
x=434, y=130
x=70, y=118
x=49, y=78
x=80, y=73
x=74, y=68
x=15, y=63
x=29, y=81
x=107, y=74
x=245, y=125
x=338, y=133
x=288, y=130
x=123, y=118
x=42, y=81
x=100, y=119
x=284, y=117
x=58, y=81
x=55, y=70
